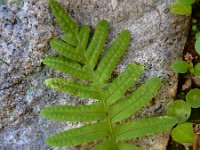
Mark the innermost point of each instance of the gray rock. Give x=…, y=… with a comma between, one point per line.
x=25, y=29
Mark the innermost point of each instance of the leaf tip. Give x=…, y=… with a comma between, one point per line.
x=103, y=23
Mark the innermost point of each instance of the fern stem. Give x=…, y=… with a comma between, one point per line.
x=108, y=116
x=104, y=104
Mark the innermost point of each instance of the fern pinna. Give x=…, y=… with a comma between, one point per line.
x=80, y=59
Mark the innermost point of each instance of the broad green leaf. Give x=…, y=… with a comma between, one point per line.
x=183, y=133
x=180, y=66
x=181, y=8
x=112, y=56
x=179, y=109
x=97, y=44
x=79, y=89
x=143, y=127
x=197, y=45
x=80, y=135
x=121, y=84
x=64, y=20
x=66, y=50
x=75, y=113
x=125, y=146
x=197, y=35
x=68, y=66
x=138, y=99
x=197, y=70
x=106, y=145
x=193, y=98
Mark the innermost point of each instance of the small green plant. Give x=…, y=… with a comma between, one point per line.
x=105, y=118
x=182, y=7
x=187, y=112
x=181, y=66
x=184, y=132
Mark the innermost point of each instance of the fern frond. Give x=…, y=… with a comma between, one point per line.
x=79, y=89
x=112, y=56
x=119, y=86
x=107, y=144
x=136, y=100
x=125, y=146
x=70, y=39
x=97, y=44
x=66, y=23
x=75, y=113
x=82, y=38
x=67, y=66
x=66, y=50
x=80, y=59
x=143, y=127
x=80, y=135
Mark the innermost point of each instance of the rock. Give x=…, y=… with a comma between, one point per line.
x=25, y=29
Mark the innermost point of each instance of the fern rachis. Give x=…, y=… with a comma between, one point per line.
x=80, y=60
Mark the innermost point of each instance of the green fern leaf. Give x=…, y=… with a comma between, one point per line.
x=64, y=20
x=66, y=50
x=97, y=44
x=70, y=39
x=80, y=135
x=112, y=56
x=83, y=39
x=68, y=66
x=75, y=113
x=143, y=127
x=80, y=60
x=136, y=100
x=118, y=87
x=79, y=89
x=125, y=146
x=108, y=144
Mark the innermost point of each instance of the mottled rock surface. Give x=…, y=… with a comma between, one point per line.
x=25, y=29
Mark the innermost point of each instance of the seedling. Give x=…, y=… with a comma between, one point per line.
x=182, y=7
x=185, y=132
x=181, y=66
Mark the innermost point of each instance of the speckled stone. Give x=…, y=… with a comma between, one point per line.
x=25, y=29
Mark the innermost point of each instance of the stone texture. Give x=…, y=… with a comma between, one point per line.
x=25, y=29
